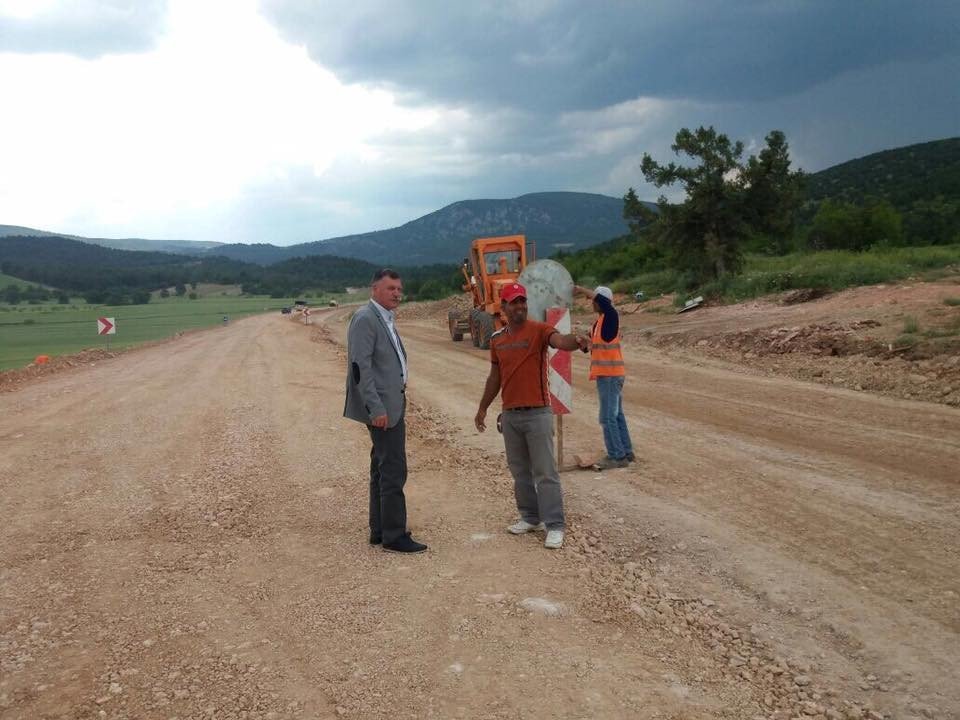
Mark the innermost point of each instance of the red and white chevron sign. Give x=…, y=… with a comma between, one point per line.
x=559, y=370
x=106, y=326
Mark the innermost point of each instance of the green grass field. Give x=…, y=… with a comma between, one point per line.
x=48, y=329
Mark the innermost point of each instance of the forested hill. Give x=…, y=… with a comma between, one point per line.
x=901, y=176
x=550, y=219
x=185, y=247
x=105, y=275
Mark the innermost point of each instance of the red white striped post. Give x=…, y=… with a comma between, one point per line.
x=560, y=375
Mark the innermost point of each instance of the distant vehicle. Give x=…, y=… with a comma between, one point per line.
x=334, y=303
x=285, y=310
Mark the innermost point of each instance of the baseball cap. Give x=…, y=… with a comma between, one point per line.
x=513, y=291
x=605, y=291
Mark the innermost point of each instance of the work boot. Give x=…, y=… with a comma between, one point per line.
x=608, y=463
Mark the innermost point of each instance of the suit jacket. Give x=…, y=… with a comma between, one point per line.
x=374, y=374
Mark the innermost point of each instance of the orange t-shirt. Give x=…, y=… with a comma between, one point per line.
x=522, y=357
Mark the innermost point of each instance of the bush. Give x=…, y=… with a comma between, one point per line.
x=845, y=226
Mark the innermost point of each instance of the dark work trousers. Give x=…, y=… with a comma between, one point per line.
x=388, y=475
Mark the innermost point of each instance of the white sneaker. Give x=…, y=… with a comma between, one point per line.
x=522, y=526
x=554, y=539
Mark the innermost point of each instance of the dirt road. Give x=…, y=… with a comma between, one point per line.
x=183, y=536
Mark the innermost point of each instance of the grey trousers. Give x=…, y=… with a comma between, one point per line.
x=528, y=439
x=388, y=475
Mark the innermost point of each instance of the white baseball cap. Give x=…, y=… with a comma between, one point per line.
x=605, y=291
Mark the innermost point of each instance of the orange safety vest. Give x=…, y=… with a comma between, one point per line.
x=606, y=359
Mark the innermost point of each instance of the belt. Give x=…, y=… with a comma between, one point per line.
x=526, y=407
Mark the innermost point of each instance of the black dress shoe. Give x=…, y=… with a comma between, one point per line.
x=405, y=544
x=375, y=539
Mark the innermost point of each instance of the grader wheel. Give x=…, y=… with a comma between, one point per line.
x=475, y=326
x=453, y=320
x=484, y=327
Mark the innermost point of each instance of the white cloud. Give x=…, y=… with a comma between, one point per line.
x=25, y=9
x=221, y=103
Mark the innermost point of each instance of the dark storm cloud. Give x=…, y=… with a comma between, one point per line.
x=567, y=54
x=86, y=28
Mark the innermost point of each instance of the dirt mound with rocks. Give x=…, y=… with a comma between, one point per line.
x=12, y=379
x=435, y=309
x=836, y=354
x=902, y=341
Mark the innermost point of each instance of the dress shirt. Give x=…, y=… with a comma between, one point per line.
x=388, y=316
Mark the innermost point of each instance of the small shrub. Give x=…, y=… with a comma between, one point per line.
x=905, y=341
x=910, y=325
x=952, y=301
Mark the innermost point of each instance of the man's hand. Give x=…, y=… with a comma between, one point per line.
x=380, y=421
x=584, y=342
x=480, y=420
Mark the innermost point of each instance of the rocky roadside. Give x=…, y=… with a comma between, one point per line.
x=832, y=354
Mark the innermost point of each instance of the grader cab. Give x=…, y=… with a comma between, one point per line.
x=494, y=262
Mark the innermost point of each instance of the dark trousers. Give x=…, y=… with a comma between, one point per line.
x=388, y=475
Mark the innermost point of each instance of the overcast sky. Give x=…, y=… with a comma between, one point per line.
x=288, y=121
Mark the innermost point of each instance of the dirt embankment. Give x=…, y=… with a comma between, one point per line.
x=902, y=341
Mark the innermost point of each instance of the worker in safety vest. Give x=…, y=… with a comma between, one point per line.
x=607, y=368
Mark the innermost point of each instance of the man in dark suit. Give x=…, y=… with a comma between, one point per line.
x=376, y=386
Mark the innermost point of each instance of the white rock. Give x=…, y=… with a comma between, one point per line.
x=543, y=606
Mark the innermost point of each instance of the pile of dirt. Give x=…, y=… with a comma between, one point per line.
x=827, y=339
x=901, y=340
x=17, y=377
x=434, y=310
x=803, y=295
x=12, y=379
x=838, y=354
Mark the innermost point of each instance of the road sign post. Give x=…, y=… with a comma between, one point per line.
x=559, y=375
x=107, y=326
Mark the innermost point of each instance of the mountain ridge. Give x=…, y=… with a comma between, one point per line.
x=567, y=220
x=548, y=219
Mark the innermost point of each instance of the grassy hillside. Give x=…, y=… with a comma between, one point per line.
x=828, y=269
x=6, y=280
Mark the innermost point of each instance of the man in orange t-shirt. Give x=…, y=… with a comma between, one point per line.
x=518, y=370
